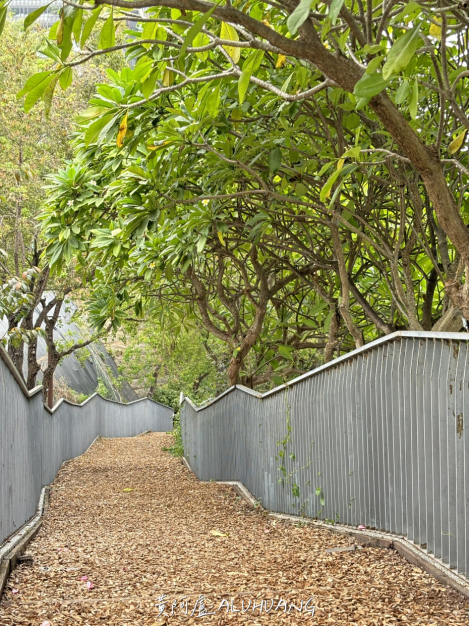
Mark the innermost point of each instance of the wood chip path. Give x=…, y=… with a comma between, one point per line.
x=131, y=520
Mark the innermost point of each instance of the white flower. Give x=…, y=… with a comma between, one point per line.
x=70, y=203
x=205, y=202
x=92, y=182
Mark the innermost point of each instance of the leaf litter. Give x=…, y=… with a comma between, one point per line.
x=182, y=538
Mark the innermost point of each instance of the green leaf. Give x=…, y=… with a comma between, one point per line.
x=250, y=65
x=32, y=17
x=77, y=24
x=108, y=33
x=96, y=127
x=35, y=94
x=195, y=30
x=89, y=25
x=212, y=101
x=90, y=113
x=370, y=85
x=33, y=82
x=3, y=18
x=300, y=15
x=402, y=92
x=373, y=65
x=334, y=11
x=148, y=86
x=401, y=53
x=326, y=190
x=414, y=99
x=68, y=19
x=285, y=351
x=275, y=159
x=66, y=78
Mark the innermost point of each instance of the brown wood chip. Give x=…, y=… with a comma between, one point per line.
x=107, y=555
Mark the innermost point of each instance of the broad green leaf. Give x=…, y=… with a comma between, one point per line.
x=456, y=144
x=212, y=101
x=250, y=65
x=3, y=18
x=199, y=41
x=285, y=351
x=195, y=30
x=32, y=17
x=414, y=99
x=370, y=85
x=108, y=33
x=53, y=30
x=334, y=11
x=229, y=33
x=326, y=190
x=89, y=25
x=148, y=86
x=68, y=18
x=402, y=92
x=300, y=15
x=401, y=53
x=90, y=113
x=275, y=159
x=77, y=24
x=373, y=65
x=33, y=82
x=94, y=130
x=35, y=94
x=66, y=78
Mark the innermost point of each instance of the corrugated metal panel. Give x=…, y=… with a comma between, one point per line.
x=34, y=442
x=380, y=434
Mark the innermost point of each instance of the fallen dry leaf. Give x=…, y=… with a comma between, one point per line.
x=218, y=533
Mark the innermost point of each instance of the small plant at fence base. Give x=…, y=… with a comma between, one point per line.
x=178, y=448
x=288, y=477
x=281, y=458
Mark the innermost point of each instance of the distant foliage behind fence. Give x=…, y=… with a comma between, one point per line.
x=34, y=441
x=379, y=437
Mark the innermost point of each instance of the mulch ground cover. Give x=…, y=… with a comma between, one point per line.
x=131, y=537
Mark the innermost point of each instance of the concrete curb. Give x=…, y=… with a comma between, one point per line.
x=411, y=552
x=17, y=543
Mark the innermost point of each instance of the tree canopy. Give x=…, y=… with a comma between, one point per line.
x=293, y=175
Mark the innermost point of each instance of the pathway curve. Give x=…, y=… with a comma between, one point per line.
x=134, y=521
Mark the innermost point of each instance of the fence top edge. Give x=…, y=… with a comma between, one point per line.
x=96, y=394
x=411, y=334
x=5, y=357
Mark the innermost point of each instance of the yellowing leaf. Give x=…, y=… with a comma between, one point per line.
x=457, y=143
x=168, y=78
x=218, y=533
x=122, y=131
x=222, y=241
x=229, y=33
x=127, y=489
x=281, y=60
x=60, y=30
x=435, y=31
x=340, y=164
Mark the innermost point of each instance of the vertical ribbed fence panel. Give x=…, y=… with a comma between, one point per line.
x=34, y=442
x=379, y=437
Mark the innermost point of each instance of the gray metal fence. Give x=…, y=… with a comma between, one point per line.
x=378, y=437
x=35, y=441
